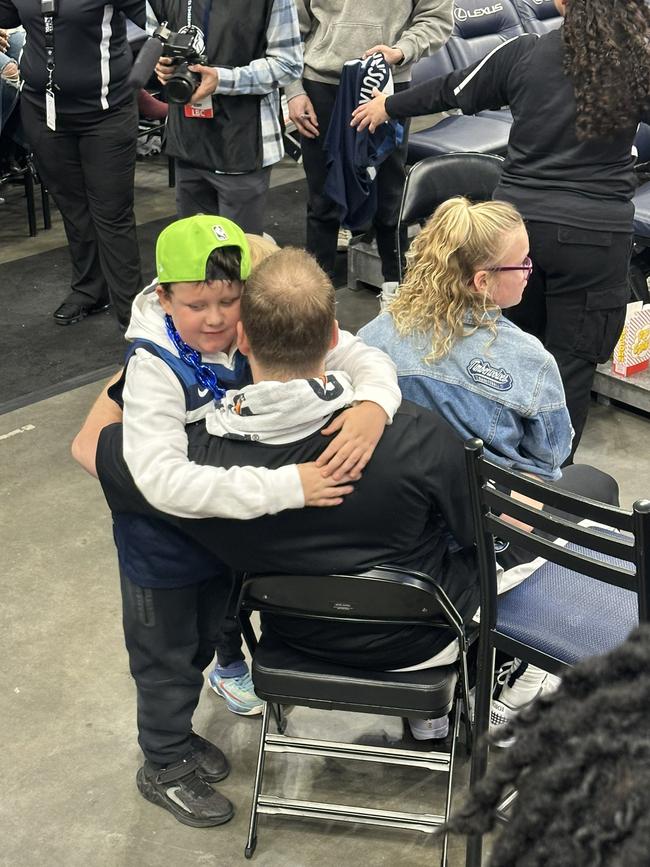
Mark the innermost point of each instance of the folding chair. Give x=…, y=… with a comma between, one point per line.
x=436, y=179
x=559, y=614
x=284, y=676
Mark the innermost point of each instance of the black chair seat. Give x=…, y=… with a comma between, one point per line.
x=282, y=675
x=459, y=134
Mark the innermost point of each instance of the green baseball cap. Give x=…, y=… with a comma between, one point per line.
x=183, y=248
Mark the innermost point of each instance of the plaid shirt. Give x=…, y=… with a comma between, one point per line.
x=281, y=65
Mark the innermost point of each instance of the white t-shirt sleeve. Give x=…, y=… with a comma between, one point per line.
x=373, y=374
x=155, y=450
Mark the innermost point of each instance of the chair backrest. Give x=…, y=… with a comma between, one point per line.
x=380, y=595
x=538, y=16
x=480, y=26
x=491, y=506
x=642, y=143
x=432, y=67
x=436, y=179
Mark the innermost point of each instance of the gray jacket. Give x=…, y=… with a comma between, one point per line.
x=335, y=31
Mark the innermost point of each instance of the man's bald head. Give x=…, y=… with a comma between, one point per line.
x=287, y=313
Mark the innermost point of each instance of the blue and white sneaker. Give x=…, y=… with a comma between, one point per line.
x=238, y=692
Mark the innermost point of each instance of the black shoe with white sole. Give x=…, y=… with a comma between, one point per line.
x=182, y=791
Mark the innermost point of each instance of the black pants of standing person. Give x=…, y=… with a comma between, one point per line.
x=322, y=213
x=171, y=636
x=575, y=303
x=88, y=165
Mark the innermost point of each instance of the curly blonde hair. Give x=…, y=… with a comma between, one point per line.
x=438, y=291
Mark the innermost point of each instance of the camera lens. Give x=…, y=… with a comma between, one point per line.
x=180, y=89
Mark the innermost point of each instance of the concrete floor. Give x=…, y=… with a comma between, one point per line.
x=67, y=700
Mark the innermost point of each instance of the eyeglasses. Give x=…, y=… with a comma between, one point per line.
x=526, y=265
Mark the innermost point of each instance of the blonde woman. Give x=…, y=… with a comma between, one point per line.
x=457, y=353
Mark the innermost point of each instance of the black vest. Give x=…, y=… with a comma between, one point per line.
x=231, y=141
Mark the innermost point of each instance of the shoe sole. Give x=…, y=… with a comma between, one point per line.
x=150, y=794
x=81, y=316
x=256, y=711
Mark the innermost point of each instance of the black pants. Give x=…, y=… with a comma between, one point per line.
x=322, y=215
x=88, y=165
x=170, y=635
x=575, y=303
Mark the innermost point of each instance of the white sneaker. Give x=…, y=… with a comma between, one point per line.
x=388, y=292
x=517, y=684
x=429, y=729
x=344, y=237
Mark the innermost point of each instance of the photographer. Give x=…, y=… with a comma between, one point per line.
x=80, y=118
x=226, y=140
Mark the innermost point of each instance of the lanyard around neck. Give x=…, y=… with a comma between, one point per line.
x=48, y=13
x=206, y=18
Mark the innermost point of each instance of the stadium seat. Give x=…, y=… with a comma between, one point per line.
x=538, y=16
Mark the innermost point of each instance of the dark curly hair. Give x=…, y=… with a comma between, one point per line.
x=581, y=765
x=607, y=57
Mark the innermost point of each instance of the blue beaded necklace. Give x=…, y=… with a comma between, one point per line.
x=205, y=376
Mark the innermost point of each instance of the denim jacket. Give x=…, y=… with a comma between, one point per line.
x=507, y=391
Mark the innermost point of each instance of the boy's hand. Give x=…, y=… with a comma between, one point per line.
x=360, y=429
x=319, y=490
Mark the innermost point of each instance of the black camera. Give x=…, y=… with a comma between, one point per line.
x=185, y=47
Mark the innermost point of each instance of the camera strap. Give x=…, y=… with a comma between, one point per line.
x=206, y=18
x=48, y=13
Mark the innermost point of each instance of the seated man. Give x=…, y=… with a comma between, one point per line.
x=407, y=509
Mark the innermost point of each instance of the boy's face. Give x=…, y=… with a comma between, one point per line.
x=205, y=314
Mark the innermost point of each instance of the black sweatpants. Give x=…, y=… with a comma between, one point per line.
x=88, y=165
x=575, y=303
x=170, y=635
x=322, y=215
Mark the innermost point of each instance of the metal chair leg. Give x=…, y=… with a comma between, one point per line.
x=251, y=843
x=450, y=780
x=464, y=685
x=478, y=767
x=280, y=718
x=45, y=202
x=29, y=195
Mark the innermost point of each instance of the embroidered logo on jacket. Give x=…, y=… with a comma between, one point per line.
x=484, y=373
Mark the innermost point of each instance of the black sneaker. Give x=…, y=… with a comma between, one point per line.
x=181, y=790
x=213, y=765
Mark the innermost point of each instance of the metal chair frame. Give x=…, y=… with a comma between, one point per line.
x=428, y=605
x=490, y=505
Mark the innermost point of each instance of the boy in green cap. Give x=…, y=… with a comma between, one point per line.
x=182, y=356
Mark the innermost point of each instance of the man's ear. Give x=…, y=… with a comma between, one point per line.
x=335, y=335
x=163, y=298
x=242, y=340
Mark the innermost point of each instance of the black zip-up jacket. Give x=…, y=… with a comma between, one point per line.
x=548, y=174
x=92, y=55
x=411, y=508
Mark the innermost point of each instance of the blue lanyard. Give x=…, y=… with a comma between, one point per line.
x=204, y=375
